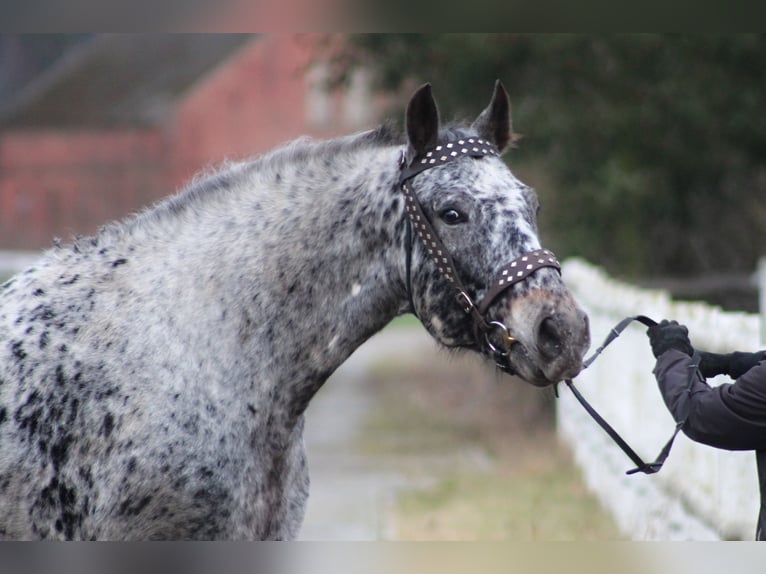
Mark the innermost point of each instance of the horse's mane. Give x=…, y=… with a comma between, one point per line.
x=226, y=176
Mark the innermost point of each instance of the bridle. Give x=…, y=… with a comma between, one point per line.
x=493, y=335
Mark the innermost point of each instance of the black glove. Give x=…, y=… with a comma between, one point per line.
x=669, y=335
x=733, y=364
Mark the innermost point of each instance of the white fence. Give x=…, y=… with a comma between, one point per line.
x=701, y=493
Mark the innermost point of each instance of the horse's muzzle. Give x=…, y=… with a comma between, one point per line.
x=547, y=339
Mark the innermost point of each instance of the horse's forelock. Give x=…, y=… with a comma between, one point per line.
x=455, y=131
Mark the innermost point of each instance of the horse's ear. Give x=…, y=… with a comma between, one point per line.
x=494, y=123
x=422, y=120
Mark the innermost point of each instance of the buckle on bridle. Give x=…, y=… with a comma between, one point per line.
x=465, y=302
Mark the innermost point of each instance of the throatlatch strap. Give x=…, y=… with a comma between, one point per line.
x=641, y=466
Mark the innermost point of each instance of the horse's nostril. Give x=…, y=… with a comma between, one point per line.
x=549, y=338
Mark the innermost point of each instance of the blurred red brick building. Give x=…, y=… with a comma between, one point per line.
x=127, y=119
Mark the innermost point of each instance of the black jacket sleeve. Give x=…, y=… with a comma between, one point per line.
x=731, y=416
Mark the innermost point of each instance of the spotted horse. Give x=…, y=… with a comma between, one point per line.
x=154, y=377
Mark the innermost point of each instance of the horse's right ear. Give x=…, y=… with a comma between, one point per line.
x=422, y=121
x=494, y=123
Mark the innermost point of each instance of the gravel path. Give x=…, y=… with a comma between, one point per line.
x=349, y=492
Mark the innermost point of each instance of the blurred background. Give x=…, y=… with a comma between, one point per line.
x=646, y=152
x=645, y=149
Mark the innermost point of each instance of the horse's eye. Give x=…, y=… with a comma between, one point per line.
x=452, y=216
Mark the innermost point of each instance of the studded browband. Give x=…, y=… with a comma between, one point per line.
x=516, y=271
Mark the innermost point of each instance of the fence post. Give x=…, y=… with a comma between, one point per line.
x=762, y=297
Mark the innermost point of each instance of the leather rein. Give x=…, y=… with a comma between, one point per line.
x=494, y=334
x=641, y=466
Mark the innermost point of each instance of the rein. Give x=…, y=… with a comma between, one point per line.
x=496, y=335
x=641, y=466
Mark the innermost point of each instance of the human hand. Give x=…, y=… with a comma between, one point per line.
x=712, y=364
x=741, y=363
x=668, y=335
x=733, y=364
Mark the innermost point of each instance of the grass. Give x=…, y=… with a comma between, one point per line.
x=412, y=432
x=528, y=504
x=486, y=452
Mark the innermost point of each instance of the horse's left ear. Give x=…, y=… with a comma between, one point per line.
x=494, y=123
x=422, y=121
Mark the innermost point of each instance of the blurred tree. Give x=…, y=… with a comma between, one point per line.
x=653, y=147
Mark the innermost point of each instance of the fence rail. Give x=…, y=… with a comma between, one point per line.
x=702, y=493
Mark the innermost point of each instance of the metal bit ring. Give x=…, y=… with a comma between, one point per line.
x=506, y=336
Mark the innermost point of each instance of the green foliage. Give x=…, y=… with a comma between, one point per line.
x=652, y=147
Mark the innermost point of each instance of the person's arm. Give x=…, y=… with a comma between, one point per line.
x=732, y=364
x=731, y=416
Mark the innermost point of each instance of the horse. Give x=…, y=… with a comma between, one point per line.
x=154, y=376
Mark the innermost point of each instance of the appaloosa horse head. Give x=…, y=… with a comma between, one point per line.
x=154, y=377
x=500, y=293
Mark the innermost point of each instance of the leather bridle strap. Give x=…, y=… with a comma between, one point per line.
x=439, y=155
x=641, y=466
x=515, y=272
x=436, y=250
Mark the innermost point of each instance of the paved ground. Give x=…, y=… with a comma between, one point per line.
x=350, y=492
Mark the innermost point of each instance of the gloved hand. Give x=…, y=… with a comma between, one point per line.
x=668, y=335
x=733, y=364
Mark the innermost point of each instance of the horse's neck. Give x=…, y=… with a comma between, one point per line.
x=335, y=250
x=309, y=262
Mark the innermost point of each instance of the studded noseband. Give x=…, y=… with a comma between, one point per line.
x=494, y=334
